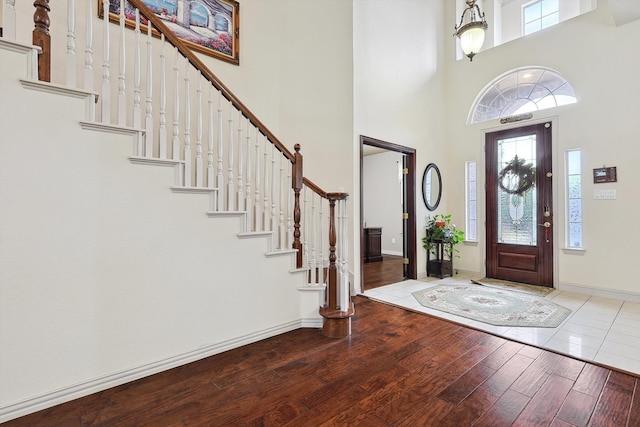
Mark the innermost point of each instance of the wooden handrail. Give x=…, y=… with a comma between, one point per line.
x=319, y=191
x=209, y=75
x=337, y=319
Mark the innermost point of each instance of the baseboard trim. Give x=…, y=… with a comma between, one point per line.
x=66, y=394
x=599, y=292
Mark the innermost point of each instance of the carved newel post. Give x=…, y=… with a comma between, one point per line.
x=42, y=38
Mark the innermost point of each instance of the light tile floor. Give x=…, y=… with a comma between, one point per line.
x=601, y=330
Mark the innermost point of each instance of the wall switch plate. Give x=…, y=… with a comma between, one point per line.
x=604, y=194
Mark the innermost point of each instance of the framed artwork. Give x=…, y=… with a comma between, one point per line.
x=605, y=174
x=211, y=27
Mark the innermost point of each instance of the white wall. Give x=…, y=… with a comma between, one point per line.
x=399, y=81
x=382, y=198
x=104, y=272
x=590, y=52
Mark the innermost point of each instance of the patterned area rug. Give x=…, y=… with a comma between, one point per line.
x=513, y=286
x=493, y=306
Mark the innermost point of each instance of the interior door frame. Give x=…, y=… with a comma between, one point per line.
x=410, y=237
x=558, y=216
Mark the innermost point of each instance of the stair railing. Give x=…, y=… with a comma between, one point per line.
x=196, y=123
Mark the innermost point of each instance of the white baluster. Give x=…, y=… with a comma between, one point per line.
x=105, y=97
x=199, y=162
x=148, y=122
x=9, y=19
x=162, y=131
x=71, y=43
x=187, y=126
x=305, y=233
x=210, y=171
x=230, y=188
x=240, y=193
x=220, y=177
x=175, y=142
x=321, y=240
x=88, y=61
x=313, y=237
x=274, y=227
x=248, y=194
x=344, y=272
x=137, y=110
x=256, y=206
x=281, y=203
x=265, y=190
x=122, y=97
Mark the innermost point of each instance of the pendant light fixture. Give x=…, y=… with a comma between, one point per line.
x=471, y=32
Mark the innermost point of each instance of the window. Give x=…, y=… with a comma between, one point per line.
x=574, y=199
x=539, y=14
x=471, y=201
x=523, y=90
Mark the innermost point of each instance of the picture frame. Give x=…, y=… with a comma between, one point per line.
x=213, y=28
x=605, y=174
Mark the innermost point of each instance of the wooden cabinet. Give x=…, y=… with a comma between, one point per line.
x=373, y=244
x=439, y=262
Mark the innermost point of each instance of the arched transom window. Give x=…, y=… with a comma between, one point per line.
x=520, y=91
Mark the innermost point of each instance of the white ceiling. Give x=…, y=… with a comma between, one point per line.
x=624, y=11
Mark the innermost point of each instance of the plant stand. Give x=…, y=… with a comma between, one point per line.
x=442, y=264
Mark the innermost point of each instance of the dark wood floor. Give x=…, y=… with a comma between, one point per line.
x=399, y=368
x=384, y=272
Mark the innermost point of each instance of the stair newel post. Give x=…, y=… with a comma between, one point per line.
x=337, y=319
x=42, y=38
x=296, y=184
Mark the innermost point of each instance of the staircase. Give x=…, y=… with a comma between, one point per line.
x=133, y=243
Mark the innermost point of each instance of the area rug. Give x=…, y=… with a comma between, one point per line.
x=513, y=286
x=493, y=306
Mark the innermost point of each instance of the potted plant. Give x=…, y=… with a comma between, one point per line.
x=440, y=238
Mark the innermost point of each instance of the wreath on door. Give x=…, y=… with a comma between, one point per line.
x=517, y=177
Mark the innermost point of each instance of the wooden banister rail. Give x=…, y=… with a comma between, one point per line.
x=209, y=75
x=336, y=312
x=319, y=191
x=42, y=38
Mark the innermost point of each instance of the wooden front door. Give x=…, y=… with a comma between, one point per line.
x=519, y=205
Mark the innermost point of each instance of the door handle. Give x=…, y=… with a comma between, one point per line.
x=547, y=226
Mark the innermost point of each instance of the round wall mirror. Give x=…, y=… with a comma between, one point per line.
x=431, y=186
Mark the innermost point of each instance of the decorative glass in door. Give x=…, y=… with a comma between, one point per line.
x=516, y=203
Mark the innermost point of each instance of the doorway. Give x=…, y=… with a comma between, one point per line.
x=519, y=208
x=407, y=262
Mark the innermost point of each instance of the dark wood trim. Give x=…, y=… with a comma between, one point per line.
x=527, y=264
x=411, y=234
x=42, y=38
